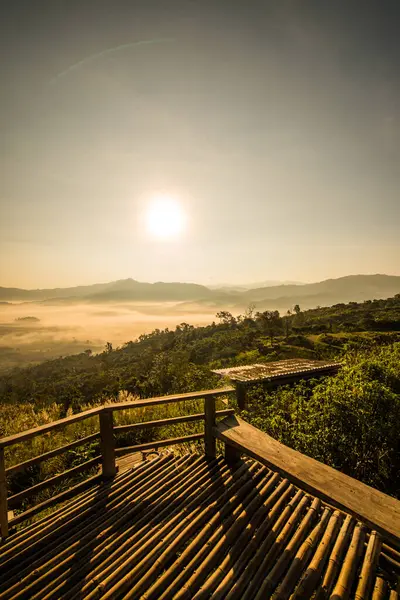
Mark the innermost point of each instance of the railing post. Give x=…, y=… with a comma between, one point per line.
x=232, y=454
x=3, y=497
x=209, y=423
x=241, y=395
x=107, y=443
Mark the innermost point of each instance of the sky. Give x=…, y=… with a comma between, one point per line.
x=274, y=124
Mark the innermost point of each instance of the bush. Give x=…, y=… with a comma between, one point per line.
x=349, y=421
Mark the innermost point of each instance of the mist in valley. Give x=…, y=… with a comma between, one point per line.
x=68, y=328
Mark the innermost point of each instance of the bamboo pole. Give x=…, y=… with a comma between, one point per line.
x=347, y=574
x=194, y=522
x=310, y=579
x=241, y=542
x=222, y=520
x=148, y=528
x=43, y=573
x=274, y=543
x=172, y=580
x=77, y=508
x=392, y=552
x=271, y=581
x=248, y=581
x=302, y=556
x=136, y=557
x=278, y=501
x=380, y=589
x=368, y=568
x=335, y=558
x=168, y=558
x=217, y=546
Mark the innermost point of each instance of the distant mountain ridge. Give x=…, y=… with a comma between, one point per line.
x=350, y=288
x=123, y=289
x=241, y=287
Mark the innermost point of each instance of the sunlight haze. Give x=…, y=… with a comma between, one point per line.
x=165, y=218
x=273, y=125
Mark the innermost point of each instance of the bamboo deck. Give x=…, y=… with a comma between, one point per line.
x=129, y=461
x=189, y=527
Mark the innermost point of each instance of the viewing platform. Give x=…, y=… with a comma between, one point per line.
x=276, y=373
x=243, y=517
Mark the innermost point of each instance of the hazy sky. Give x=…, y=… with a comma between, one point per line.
x=275, y=124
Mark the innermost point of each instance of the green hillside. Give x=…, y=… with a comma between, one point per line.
x=166, y=361
x=349, y=421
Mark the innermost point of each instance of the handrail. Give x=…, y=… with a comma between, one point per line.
x=107, y=443
x=171, y=421
x=159, y=444
x=168, y=399
x=41, y=429
x=34, y=489
x=38, y=459
x=17, y=438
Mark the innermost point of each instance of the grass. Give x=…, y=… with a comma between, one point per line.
x=44, y=443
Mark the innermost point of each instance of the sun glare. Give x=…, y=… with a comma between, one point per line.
x=165, y=218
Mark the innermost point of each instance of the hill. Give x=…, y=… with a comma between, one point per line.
x=360, y=407
x=122, y=290
x=166, y=361
x=355, y=288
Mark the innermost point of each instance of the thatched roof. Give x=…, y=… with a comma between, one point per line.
x=293, y=368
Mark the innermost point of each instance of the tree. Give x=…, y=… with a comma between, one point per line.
x=249, y=313
x=287, y=322
x=271, y=322
x=226, y=317
x=297, y=309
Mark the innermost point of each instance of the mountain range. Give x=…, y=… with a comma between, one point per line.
x=355, y=288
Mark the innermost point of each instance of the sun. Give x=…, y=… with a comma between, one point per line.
x=165, y=218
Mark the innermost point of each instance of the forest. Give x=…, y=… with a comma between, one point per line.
x=349, y=421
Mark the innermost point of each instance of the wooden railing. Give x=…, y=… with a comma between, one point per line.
x=108, y=450
x=379, y=511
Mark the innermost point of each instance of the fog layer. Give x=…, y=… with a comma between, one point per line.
x=69, y=328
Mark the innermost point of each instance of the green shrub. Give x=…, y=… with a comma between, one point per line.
x=349, y=421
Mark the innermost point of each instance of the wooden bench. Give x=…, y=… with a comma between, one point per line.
x=377, y=510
